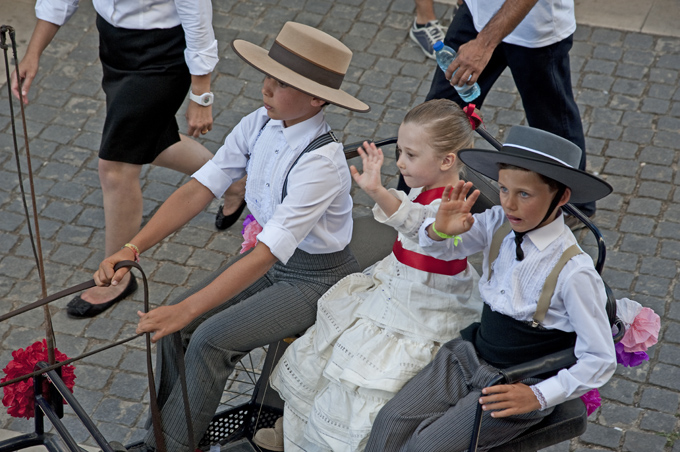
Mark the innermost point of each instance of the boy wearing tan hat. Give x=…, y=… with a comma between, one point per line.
x=541, y=295
x=297, y=189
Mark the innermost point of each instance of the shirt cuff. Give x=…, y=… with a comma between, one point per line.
x=211, y=176
x=281, y=241
x=203, y=61
x=551, y=390
x=539, y=395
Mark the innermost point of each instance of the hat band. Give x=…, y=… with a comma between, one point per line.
x=534, y=151
x=304, y=67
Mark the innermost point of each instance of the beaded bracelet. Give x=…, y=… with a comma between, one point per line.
x=134, y=250
x=456, y=238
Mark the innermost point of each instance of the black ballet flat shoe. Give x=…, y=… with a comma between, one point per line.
x=223, y=221
x=79, y=308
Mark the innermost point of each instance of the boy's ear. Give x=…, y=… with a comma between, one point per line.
x=565, y=197
x=448, y=161
x=316, y=102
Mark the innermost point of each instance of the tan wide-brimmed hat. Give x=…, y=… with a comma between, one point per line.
x=307, y=59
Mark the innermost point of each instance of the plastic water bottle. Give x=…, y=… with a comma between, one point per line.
x=445, y=55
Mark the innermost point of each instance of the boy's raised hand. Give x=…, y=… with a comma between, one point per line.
x=453, y=216
x=372, y=160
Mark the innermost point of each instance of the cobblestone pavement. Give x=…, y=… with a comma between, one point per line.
x=626, y=86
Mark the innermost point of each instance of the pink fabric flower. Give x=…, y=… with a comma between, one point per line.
x=250, y=230
x=19, y=398
x=632, y=359
x=643, y=332
x=592, y=400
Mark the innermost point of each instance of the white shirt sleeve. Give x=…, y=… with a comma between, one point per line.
x=57, y=12
x=409, y=216
x=313, y=184
x=229, y=162
x=584, y=299
x=201, y=52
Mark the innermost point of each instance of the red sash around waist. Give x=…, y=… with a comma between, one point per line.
x=427, y=263
x=421, y=261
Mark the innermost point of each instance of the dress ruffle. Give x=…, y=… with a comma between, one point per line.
x=374, y=332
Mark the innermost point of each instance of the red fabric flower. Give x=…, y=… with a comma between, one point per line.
x=19, y=398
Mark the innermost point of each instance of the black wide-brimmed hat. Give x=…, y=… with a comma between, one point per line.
x=543, y=153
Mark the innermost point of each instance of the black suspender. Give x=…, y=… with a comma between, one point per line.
x=322, y=140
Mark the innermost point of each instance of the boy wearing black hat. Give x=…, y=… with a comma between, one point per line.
x=541, y=295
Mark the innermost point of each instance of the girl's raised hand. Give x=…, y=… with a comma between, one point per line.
x=372, y=160
x=453, y=216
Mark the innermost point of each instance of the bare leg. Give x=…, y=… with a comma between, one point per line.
x=122, y=217
x=424, y=11
x=185, y=156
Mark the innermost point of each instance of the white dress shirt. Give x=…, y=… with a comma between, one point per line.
x=578, y=304
x=316, y=215
x=195, y=16
x=548, y=22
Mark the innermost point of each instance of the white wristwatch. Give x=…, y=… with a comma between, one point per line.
x=204, y=99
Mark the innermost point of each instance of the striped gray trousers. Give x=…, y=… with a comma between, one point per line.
x=280, y=304
x=435, y=411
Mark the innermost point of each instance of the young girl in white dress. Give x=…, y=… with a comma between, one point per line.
x=375, y=330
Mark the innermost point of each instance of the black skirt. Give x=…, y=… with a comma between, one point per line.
x=146, y=79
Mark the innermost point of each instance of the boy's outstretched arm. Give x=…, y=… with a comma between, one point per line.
x=370, y=180
x=453, y=216
x=509, y=400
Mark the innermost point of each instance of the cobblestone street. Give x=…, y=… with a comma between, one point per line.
x=626, y=85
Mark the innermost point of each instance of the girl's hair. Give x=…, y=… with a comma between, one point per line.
x=446, y=124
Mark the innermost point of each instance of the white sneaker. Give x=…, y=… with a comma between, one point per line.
x=270, y=438
x=427, y=35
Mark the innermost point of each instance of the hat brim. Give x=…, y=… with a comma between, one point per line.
x=584, y=187
x=259, y=58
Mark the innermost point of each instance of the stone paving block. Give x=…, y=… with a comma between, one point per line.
x=670, y=249
x=602, y=436
x=637, y=224
x=669, y=62
x=656, y=190
x=660, y=75
x=135, y=361
x=129, y=386
x=117, y=412
x=638, y=57
x=658, y=267
x=669, y=353
x=652, y=285
x=106, y=329
x=666, y=376
x=666, y=139
x=643, y=442
x=656, y=172
x=612, y=415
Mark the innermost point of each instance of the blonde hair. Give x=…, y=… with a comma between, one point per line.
x=447, y=126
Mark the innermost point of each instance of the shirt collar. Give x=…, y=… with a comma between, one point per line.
x=542, y=237
x=300, y=131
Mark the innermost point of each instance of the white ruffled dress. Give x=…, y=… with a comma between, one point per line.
x=374, y=331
